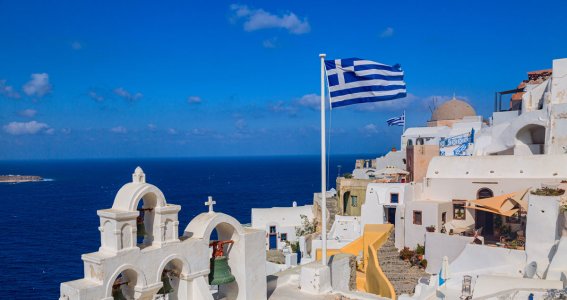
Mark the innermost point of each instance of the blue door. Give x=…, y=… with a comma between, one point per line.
x=273, y=241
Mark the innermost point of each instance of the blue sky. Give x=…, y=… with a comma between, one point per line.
x=90, y=79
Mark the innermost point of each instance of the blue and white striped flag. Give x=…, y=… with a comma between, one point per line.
x=399, y=121
x=354, y=80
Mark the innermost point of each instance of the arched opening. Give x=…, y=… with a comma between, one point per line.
x=145, y=220
x=346, y=197
x=483, y=219
x=123, y=285
x=223, y=238
x=126, y=236
x=173, y=288
x=530, y=140
x=484, y=193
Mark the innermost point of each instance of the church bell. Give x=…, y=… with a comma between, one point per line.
x=117, y=294
x=220, y=271
x=166, y=288
x=141, y=228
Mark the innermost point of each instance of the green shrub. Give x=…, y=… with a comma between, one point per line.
x=420, y=250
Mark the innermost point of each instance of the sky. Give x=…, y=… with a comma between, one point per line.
x=114, y=79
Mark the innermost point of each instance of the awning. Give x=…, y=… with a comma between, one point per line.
x=505, y=205
x=391, y=170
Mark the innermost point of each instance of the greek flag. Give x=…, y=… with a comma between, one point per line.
x=399, y=121
x=354, y=80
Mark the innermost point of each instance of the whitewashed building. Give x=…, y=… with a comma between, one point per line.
x=280, y=223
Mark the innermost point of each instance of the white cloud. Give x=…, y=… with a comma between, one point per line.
x=119, y=129
x=28, y=113
x=194, y=100
x=76, y=45
x=8, y=91
x=270, y=43
x=388, y=32
x=256, y=19
x=171, y=131
x=283, y=107
x=240, y=124
x=312, y=101
x=38, y=86
x=152, y=127
x=32, y=127
x=126, y=95
x=95, y=96
x=370, y=129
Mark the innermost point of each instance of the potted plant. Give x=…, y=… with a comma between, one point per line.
x=423, y=263
x=420, y=251
x=295, y=249
x=430, y=228
x=406, y=254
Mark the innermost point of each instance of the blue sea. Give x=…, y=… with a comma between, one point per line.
x=47, y=225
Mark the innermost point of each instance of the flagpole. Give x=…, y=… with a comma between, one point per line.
x=404, y=129
x=323, y=167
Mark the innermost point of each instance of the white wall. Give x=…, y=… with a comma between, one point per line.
x=378, y=195
x=346, y=228
x=480, y=259
x=541, y=230
x=558, y=268
x=285, y=219
x=415, y=234
x=438, y=245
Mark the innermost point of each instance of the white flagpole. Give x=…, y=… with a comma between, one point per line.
x=323, y=167
x=404, y=129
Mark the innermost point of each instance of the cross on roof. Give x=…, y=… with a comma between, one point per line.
x=210, y=203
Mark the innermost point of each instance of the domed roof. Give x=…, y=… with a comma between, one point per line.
x=453, y=109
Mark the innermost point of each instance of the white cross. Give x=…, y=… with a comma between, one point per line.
x=210, y=203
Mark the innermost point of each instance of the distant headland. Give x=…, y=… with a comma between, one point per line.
x=19, y=178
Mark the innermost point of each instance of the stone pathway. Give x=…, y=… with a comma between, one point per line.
x=401, y=274
x=275, y=256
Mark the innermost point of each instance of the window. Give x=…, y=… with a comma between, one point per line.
x=354, y=201
x=273, y=229
x=443, y=217
x=283, y=237
x=417, y=217
x=484, y=193
x=459, y=210
x=394, y=197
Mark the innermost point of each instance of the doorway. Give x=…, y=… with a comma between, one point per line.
x=273, y=240
x=391, y=215
x=486, y=221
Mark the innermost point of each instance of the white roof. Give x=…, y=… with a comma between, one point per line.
x=282, y=216
x=499, y=166
x=425, y=131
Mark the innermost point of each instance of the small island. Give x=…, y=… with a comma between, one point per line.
x=19, y=178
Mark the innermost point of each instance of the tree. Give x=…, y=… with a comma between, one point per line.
x=307, y=227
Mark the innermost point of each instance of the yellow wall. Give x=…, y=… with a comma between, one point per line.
x=355, y=187
x=370, y=276
x=376, y=281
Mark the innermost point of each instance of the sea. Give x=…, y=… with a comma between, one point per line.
x=46, y=226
